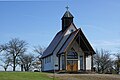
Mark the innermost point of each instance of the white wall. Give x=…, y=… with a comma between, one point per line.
x=78, y=63
x=88, y=62
x=49, y=65
x=69, y=30
x=55, y=62
x=61, y=62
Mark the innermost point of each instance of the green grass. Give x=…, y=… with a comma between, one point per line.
x=24, y=76
x=49, y=76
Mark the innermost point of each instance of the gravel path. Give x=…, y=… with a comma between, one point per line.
x=86, y=76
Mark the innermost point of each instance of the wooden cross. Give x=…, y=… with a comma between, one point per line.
x=67, y=7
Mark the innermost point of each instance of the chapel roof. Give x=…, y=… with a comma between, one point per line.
x=59, y=36
x=84, y=43
x=67, y=15
x=53, y=44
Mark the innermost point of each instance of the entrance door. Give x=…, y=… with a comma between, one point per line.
x=72, y=65
x=72, y=61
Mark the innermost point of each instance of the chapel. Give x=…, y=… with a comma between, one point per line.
x=70, y=50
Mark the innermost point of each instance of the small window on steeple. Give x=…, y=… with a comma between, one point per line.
x=72, y=30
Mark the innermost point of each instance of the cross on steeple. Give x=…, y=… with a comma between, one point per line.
x=67, y=19
x=67, y=7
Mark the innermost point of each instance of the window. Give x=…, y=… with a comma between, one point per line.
x=81, y=62
x=72, y=30
x=63, y=62
x=45, y=60
x=72, y=55
x=48, y=59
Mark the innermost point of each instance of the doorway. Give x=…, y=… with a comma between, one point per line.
x=72, y=65
x=72, y=61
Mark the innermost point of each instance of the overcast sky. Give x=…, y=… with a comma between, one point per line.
x=38, y=22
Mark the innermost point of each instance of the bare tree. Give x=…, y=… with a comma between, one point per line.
x=39, y=49
x=5, y=62
x=0, y=48
x=13, y=49
x=102, y=61
x=37, y=63
x=26, y=61
x=97, y=60
x=117, y=62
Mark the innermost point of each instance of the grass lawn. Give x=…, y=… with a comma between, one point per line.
x=25, y=76
x=49, y=76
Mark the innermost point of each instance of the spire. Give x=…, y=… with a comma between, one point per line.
x=67, y=19
x=67, y=13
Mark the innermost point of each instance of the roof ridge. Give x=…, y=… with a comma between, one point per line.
x=68, y=39
x=74, y=36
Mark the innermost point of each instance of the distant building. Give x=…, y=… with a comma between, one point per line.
x=70, y=50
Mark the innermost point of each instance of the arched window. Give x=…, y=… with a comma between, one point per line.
x=72, y=55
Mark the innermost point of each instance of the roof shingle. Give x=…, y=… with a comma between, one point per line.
x=53, y=44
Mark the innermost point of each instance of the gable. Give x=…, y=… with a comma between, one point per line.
x=84, y=42
x=66, y=35
x=68, y=42
x=78, y=35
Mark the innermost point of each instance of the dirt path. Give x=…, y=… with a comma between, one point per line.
x=86, y=76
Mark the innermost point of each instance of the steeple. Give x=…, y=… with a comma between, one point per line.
x=67, y=19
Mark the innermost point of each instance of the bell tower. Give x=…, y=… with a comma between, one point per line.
x=67, y=19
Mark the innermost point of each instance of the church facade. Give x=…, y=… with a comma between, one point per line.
x=69, y=51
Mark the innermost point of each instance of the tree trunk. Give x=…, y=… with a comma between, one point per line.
x=27, y=68
x=117, y=69
x=102, y=69
x=13, y=68
x=5, y=69
x=14, y=62
x=21, y=67
x=98, y=68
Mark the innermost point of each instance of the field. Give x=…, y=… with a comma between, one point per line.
x=24, y=76
x=49, y=76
